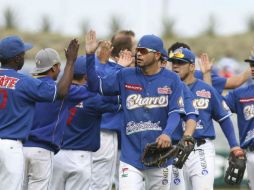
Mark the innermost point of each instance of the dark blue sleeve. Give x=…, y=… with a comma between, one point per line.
x=108, y=85
x=37, y=90
x=218, y=82
x=191, y=116
x=230, y=100
x=77, y=93
x=228, y=130
x=172, y=123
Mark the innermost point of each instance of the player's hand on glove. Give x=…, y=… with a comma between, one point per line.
x=71, y=52
x=163, y=141
x=91, y=42
x=236, y=167
x=104, y=51
x=185, y=147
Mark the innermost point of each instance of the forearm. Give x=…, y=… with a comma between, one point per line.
x=190, y=124
x=228, y=130
x=65, y=81
x=238, y=80
x=172, y=123
x=207, y=78
x=93, y=80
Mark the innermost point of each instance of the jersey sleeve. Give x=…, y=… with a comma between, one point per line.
x=38, y=91
x=77, y=93
x=220, y=110
x=188, y=101
x=230, y=100
x=108, y=85
x=218, y=82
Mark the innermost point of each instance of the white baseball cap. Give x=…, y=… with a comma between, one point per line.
x=45, y=59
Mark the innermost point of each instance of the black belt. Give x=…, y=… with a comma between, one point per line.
x=250, y=148
x=200, y=141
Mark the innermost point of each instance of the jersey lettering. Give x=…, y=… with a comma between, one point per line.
x=4, y=94
x=136, y=101
x=248, y=112
x=8, y=82
x=201, y=103
x=133, y=127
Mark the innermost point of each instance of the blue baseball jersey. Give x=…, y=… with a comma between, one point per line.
x=241, y=102
x=83, y=125
x=18, y=95
x=210, y=106
x=147, y=100
x=50, y=118
x=188, y=99
x=217, y=81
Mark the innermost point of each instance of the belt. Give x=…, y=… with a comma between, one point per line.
x=200, y=141
x=250, y=148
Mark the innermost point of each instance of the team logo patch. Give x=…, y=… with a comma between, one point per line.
x=246, y=100
x=165, y=176
x=133, y=87
x=177, y=181
x=125, y=172
x=180, y=102
x=164, y=90
x=204, y=172
x=203, y=93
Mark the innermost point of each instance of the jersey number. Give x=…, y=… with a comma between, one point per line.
x=4, y=95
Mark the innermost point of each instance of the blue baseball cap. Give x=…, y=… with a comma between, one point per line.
x=251, y=59
x=152, y=42
x=182, y=54
x=12, y=46
x=80, y=65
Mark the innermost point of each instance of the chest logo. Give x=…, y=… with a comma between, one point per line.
x=133, y=87
x=248, y=112
x=201, y=103
x=164, y=90
x=203, y=93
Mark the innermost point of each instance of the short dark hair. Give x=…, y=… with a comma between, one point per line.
x=78, y=77
x=129, y=33
x=121, y=43
x=177, y=45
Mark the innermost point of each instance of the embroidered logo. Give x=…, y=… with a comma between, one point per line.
x=201, y=103
x=133, y=87
x=203, y=93
x=125, y=172
x=248, y=112
x=164, y=90
x=133, y=127
x=8, y=82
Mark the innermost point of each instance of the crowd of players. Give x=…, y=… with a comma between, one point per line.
x=89, y=130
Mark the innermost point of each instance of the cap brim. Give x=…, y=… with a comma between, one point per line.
x=179, y=59
x=249, y=60
x=28, y=46
x=40, y=70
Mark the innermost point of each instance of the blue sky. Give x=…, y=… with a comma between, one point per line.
x=142, y=16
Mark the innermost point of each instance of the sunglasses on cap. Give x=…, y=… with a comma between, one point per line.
x=176, y=55
x=144, y=51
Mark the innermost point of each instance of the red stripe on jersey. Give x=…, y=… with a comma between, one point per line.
x=246, y=100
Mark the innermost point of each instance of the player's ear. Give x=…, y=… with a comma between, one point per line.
x=157, y=56
x=192, y=67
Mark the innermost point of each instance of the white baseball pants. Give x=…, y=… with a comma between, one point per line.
x=250, y=168
x=71, y=170
x=177, y=179
x=11, y=164
x=38, y=168
x=150, y=179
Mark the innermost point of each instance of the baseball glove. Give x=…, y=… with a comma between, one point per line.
x=185, y=146
x=156, y=157
x=236, y=167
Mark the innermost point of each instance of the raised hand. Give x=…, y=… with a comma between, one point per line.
x=205, y=64
x=104, y=51
x=71, y=52
x=125, y=58
x=91, y=42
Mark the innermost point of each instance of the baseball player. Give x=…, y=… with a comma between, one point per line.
x=240, y=101
x=199, y=168
x=46, y=135
x=209, y=76
x=73, y=163
x=18, y=96
x=104, y=160
x=152, y=103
